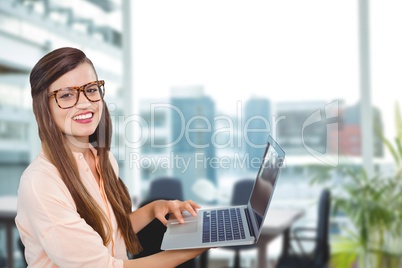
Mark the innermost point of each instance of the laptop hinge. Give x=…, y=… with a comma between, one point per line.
x=250, y=225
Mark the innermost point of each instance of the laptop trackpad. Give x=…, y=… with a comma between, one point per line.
x=183, y=228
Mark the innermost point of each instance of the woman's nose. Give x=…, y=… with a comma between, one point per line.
x=83, y=102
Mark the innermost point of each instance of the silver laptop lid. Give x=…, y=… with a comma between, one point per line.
x=264, y=185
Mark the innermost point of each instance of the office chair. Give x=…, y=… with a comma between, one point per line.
x=151, y=235
x=21, y=247
x=319, y=257
x=240, y=196
x=3, y=261
x=168, y=188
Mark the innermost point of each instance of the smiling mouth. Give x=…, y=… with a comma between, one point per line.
x=83, y=116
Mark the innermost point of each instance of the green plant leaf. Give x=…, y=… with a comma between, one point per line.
x=344, y=251
x=398, y=121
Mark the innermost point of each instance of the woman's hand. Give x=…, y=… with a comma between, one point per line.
x=176, y=207
x=158, y=209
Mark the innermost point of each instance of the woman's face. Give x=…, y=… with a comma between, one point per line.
x=80, y=121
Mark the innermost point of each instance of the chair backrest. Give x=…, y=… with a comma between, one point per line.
x=322, y=248
x=150, y=236
x=165, y=188
x=241, y=191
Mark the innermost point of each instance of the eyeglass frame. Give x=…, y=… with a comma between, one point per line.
x=99, y=83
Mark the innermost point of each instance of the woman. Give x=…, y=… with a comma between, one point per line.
x=73, y=209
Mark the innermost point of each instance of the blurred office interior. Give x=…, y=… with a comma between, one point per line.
x=195, y=88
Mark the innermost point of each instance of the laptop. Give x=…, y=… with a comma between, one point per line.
x=230, y=225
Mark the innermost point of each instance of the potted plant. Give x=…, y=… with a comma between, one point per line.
x=372, y=206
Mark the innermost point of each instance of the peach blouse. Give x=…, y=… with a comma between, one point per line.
x=52, y=231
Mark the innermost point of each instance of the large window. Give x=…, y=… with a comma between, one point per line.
x=290, y=69
x=386, y=60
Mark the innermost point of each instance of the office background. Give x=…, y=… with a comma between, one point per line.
x=194, y=88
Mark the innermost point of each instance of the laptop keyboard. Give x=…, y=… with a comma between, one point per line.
x=222, y=225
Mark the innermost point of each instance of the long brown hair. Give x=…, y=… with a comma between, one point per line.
x=48, y=69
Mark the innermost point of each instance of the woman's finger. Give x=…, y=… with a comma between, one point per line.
x=191, y=207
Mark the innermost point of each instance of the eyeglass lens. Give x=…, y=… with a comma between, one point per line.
x=68, y=97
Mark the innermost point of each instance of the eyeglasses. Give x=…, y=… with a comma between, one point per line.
x=68, y=97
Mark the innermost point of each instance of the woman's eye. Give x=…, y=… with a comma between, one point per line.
x=65, y=95
x=91, y=90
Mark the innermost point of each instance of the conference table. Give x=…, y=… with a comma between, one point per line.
x=277, y=222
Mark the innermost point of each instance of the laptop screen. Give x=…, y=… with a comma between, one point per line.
x=268, y=173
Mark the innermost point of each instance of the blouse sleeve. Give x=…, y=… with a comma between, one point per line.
x=48, y=211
